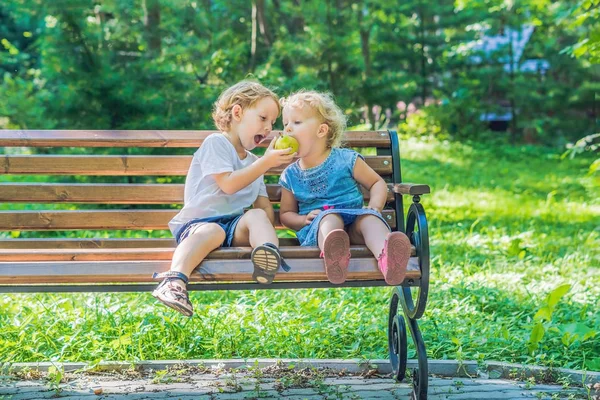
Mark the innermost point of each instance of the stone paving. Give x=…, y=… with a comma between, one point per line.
x=276, y=381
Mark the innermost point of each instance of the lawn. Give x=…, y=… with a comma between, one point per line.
x=508, y=226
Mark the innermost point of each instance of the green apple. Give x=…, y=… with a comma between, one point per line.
x=286, y=142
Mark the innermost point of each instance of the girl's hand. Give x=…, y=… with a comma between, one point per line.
x=274, y=158
x=310, y=216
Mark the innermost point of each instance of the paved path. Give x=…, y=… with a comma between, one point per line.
x=271, y=382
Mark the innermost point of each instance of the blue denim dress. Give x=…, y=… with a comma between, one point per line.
x=330, y=187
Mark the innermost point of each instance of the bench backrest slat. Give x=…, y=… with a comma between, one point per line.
x=111, y=193
x=125, y=188
x=99, y=138
x=127, y=165
x=101, y=220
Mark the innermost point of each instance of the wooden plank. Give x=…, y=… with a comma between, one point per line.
x=85, y=219
x=411, y=189
x=133, y=138
x=105, y=243
x=68, y=244
x=95, y=165
x=209, y=270
x=101, y=219
x=107, y=193
x=77, y=243
x=274, y=192
x=127, y=165
x=111, y=193
x=28, y=255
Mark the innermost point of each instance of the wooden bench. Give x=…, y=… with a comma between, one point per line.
x=126, y=185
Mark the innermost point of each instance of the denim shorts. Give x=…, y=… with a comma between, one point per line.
x=308, y=236
x=227, y=222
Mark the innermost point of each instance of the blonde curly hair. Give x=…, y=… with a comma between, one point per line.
x=245, y=93
x=325, y=106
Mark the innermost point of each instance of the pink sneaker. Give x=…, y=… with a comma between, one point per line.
x=336, y=255
x=394, y=258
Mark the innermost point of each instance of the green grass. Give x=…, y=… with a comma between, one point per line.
x=508, y=225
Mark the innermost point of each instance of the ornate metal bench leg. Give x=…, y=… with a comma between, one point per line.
x=420, y=375
x=397, y=338
x=414, y=297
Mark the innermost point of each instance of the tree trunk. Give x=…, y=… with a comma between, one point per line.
x=262, y=22
x=253, y=38
x=286, y=63
x=513, y=112
x=423, y=58
x=297, y=19
x=330, y=74
x=89, y=59
x=294, y=22
x=365, y=35
x=152, y=25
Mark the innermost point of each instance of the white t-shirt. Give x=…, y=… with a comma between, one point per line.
x=203, y=198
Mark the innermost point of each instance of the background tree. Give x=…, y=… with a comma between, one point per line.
x=160, y=64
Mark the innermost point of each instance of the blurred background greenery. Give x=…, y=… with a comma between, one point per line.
x=466, y=69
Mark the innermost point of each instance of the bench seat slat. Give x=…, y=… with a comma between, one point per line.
x=112, y=193
x=103, y=243
x=210, y=270
x=127, y=165
x=149, y=138
x=21, y=255
x=102, y=219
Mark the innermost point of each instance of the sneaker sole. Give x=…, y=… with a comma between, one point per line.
x=398, y=251
x=336, y=256
x=266, y=261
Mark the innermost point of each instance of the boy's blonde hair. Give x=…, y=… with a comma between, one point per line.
x=245, y=93
x=325, y=106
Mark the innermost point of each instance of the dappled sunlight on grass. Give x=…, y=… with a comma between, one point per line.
x=507, y=227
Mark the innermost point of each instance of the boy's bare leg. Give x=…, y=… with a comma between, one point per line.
x=172, y=291
x=194, y=248
x=254, y=229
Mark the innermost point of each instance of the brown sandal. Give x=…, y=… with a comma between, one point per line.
x=173, y=295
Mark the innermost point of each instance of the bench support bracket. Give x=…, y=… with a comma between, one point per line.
x=398, y=348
